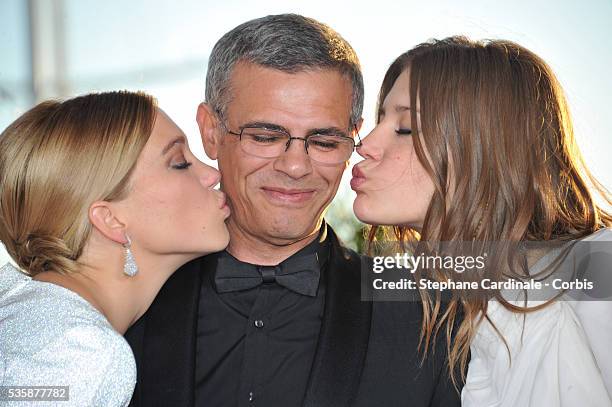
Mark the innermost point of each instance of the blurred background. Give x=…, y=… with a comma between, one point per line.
x=62, y=48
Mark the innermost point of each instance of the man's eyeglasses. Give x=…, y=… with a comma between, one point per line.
x=328, y=148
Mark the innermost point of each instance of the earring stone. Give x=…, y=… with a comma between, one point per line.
x=129, y=267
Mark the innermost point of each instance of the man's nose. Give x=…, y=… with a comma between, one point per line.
x=295, y=161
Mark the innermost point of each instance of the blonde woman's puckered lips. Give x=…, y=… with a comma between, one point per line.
x=223, y=203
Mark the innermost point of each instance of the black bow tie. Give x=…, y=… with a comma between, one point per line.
x=300, y=274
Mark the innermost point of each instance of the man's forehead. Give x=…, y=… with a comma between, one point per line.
x=245, y=75
x=314, y=98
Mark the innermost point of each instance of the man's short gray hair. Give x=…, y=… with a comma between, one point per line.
x=287, y=42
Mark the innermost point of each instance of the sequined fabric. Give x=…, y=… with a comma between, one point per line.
x=50, y=336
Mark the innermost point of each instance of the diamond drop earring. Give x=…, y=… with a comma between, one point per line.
x=129, y=267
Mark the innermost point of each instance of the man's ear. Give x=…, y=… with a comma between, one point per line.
x=207, y=123
x=104, y=220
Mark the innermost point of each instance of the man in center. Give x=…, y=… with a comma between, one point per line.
x=277, y=319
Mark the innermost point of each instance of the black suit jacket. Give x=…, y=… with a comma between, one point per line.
x=366, y=354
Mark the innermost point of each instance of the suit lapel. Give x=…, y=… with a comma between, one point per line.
x=345, y=330
x=169, y=349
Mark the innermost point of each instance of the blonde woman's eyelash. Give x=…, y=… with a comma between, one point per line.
x=181, y=166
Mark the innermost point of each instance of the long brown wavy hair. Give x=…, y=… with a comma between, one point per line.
x=504, y=163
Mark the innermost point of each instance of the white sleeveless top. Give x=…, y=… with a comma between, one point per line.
x=559, y=356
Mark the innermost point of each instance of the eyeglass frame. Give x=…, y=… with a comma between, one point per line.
x=291, y=138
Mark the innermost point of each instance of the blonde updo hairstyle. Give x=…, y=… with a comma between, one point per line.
x=55, y=161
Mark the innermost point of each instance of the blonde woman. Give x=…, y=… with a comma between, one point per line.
x=101, y=201
x=474, y=143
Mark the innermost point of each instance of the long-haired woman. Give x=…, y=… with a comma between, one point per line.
x=474, y=148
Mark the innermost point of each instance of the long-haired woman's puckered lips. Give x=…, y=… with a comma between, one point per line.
x=358, y=178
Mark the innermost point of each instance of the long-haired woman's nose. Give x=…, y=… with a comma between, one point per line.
x=368, y=148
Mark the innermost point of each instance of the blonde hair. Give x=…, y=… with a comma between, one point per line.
x=55, y=161
x=497, y=111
